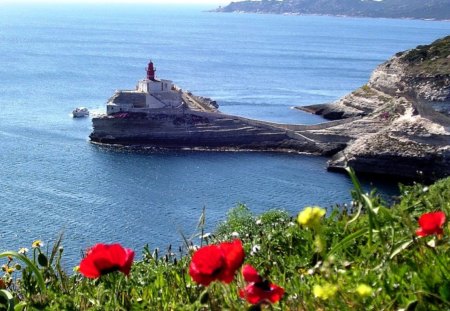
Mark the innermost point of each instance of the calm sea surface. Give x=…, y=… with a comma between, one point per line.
x=56, y=58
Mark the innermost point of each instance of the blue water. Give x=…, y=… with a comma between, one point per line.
x=55, y=58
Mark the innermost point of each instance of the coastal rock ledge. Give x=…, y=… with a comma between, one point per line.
x=407, y=103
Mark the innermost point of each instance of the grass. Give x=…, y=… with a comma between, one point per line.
x=366, y=256
x=430, y=59
x=365, y=91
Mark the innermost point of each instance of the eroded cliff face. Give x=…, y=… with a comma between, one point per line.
x=408, y=100
x=397, y=76
x=189, y=129
x=409, y=147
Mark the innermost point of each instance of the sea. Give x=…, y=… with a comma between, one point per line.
x=54, y=58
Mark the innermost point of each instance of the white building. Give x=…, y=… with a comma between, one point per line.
x=150, y=93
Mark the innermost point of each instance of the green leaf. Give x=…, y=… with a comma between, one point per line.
x=348, y=240
x=55, y=248
x=355, y=180
x=202, y=219
x=20, y=306
x=402, y=247
x=31, y=265
x=444, y=291
x=9, y=299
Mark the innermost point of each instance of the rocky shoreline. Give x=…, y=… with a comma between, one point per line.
x=204, y=130
x=407, y=136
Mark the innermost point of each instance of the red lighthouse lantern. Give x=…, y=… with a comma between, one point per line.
x=151, y=71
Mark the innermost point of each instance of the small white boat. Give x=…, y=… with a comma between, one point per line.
x=80, y=112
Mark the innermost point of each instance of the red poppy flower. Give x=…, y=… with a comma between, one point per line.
x=431, y=223
x=105, y=258
x=262, y=292
x=258, y=290
x=216, y=262
x=250, y=274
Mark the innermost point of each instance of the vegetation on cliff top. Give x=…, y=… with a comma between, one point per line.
x=432, y=59
x=364, y=256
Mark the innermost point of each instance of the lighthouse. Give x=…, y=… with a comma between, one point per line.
x=151, y=71
x=150, y=93
x=151, y=85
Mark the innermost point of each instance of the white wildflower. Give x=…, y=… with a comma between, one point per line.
x=23, y=250
x=255, y=249
x=193, y=248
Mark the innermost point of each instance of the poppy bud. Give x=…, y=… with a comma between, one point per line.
x=42, y=260
x=204, y=297
x=17, y=266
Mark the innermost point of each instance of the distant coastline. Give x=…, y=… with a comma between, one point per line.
x=438, y=10
x=335, y=15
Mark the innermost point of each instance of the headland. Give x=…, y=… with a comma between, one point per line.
x=159, y=115
x=406, y=108
x=398, y=124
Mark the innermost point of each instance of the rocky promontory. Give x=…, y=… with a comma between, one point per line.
x=197, y=124
x=398, y=124
x=406, y=104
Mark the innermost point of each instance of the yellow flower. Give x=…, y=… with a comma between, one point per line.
x=325, y=292
x=37, y=244
x=76, y=268
x=364, y=290
x=10, y=270
x=310, y=216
